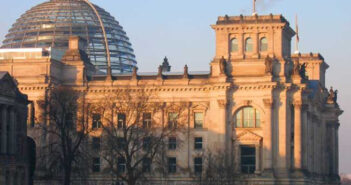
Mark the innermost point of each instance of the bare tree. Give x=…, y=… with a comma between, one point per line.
x=65, y=130
x=217, y=170
x=135, y=131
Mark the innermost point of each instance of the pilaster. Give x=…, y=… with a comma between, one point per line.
x=4, y=122
x=267, y=139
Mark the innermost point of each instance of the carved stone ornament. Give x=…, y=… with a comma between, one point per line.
x=248, y=136
x=268, y=102
x=222, y=103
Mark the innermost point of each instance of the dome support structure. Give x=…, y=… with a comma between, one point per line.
x=109, y=70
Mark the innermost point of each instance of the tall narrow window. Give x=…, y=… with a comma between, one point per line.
x=247, y=117
x=234, y=47
x=121, y=120
x=96, y=121
x=198, y=165
x=198, y=143
x=147, y=165
x=147, y=120
x=172, y=120
x=263, y=44
x=198, y=120
x=248, y=159
x=248, y=45
x=172, y=165
x=96, y=143
x=121, y=142
x=146, y=143
x=172, y=143
x=121, y=164
x=96, y=165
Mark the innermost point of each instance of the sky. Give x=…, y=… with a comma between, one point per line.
x=180, y=30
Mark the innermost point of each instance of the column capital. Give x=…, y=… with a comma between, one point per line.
x=297, y=104
x=222, y=103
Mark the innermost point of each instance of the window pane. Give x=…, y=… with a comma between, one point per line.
x=234, y=45
x=121, y=120
x=199, y=119
x=172, y=165
x=172, y=143
x=248, y=45
x=198, y=143
x=198, y=165
x=264, y=44
x=239, y=119
x=96, y=165
x=248, y=159
x=172, y=120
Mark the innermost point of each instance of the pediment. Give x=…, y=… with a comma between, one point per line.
x=248, y=136
x=8, y=86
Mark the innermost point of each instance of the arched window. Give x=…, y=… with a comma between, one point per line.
x=247, y=117
x=248, y=45
x=234, y=47
x=263, y=44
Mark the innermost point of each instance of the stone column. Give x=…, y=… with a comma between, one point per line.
x=267, y=139
x=297, y=136
x=283, y=136
x=258, y=154
x=4, y=116
x=13, y=132
x=304, y=136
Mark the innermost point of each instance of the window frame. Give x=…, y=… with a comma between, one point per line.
x=261, y=44
x=198, y=126
x=147, y=120
x=232, y=44
x=198, y=145
x=172, y=145
x=249, y=47
x=251, y=168
x=121, y=120
x=121, y=165
x=198, y=166
x=96, y=121
x=172, y=165
x=96, y=145
x=172, y=122
x=240, y=123
x=96, y=165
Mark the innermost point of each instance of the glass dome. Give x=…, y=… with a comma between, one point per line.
x=51, y=23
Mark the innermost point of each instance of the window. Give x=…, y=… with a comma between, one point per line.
x=263, y=44
x=248, y=45
x=121, y=142
x=198, y=165
x=146, y=120
x=247, y=117
x=69, y=120
x=146, y=143
x=198, y=143
x=234, y=47
x=198, y=120
x=147, y=165
x=172, y=120
x=96, y=121
x=121, y=164
x=96, y=165
x=172, y=165
x=248, y=159
x=96, y=143
x=172, y=143
x=121, y=120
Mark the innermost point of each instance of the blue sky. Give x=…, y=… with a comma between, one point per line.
x=180, y=30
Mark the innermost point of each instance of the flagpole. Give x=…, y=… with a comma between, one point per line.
x=297, y=36
x=254, y=8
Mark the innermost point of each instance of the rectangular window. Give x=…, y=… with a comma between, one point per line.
x=96, y=121
x=172, y=165
x=147, y=165
x=121, y=142
x=146, y=143
x=96, y=143
x=198, y=143
x=198, y=165
x=96, y=165
x=172, y=120
x=121, y=120
x=121, y=164
x=172, y=143
x=146, y=120
x=248, y=159
x=198, y=120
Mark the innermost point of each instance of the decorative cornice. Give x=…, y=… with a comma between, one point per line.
x=247, y=136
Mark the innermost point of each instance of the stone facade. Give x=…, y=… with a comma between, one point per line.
x=267, y=109
x=14, y=163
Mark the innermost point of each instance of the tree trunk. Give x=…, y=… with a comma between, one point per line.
x=67, y=175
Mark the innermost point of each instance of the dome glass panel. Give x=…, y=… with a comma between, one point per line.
x=51, y=23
